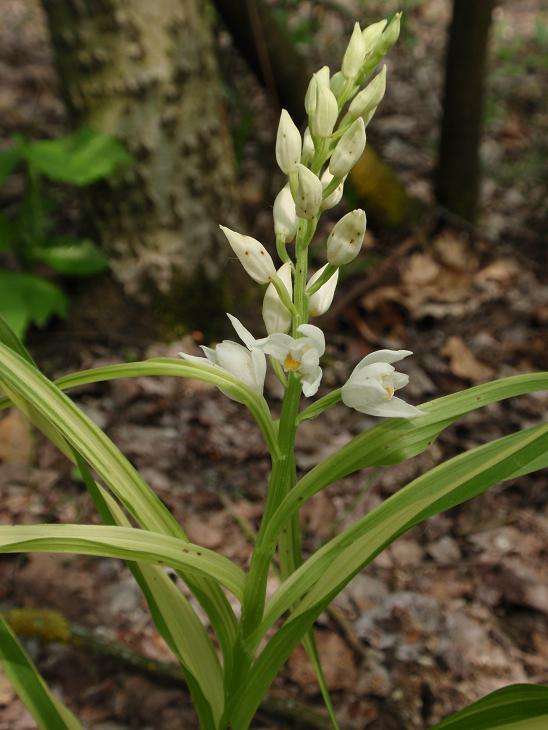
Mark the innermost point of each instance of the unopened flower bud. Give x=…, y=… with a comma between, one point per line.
x=320, y=78
x=337, y=82
x=308, y=194
x=372, y=33
x=253, y=255
x=369, y=98
x=335, y=197
x=285, y=215
x=346, y=238
x=320, y=301
x=389, y=36
x=288, y=143
x=276, y=316
x=308, y=147
x=354, y=54
x=349, y=150
x=326, y=111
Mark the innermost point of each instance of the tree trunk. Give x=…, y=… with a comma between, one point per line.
x=458, y=173
x=145, y=72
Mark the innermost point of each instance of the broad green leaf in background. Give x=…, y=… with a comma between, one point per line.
x=127, y=543
x=8, y=160
x=72, y=256
x=27, y=299
x=517, y=707
x=80, y=158
x=6, y=232
x=47, y=710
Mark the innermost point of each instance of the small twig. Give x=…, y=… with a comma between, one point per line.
x=374, y=278
x=53, y=627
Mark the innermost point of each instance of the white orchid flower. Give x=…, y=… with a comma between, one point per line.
x=248, y=363
x=371, y=386
x=300, y=355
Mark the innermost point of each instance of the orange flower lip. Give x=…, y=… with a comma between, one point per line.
x=390, y=391
x=290, y=363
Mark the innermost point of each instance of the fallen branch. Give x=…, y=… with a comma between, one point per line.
x=53, y=627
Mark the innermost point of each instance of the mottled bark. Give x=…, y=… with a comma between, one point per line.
x=458, y=172
x=145, y=72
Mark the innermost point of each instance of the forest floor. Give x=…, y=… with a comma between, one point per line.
x=456, y=607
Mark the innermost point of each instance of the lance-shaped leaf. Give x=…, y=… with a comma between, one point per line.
x=47, y=710
x=126, y=543
x=517, y=707
x=326, y=573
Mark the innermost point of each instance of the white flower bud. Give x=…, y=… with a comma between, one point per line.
x=335, y=198
x=346, y=238
x=369, y=98
x=354, y=54
x=337, y=82
x=308, y=147
x=349, y=149
x=390, y=36
x=372, y=33
x=320, y=301
x=326, y=111
x=253, y=255
x=275, y=315
x=308, y=194
x=288, y=143
x=285, y=215
x=320, y=78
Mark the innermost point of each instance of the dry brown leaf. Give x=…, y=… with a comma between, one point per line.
x=463, y=362
x=453, y=252
x=501, y=271
x=337, y=662
x=420, y=269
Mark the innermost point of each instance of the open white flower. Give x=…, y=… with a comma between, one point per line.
x=247, y=363
x=300, y=355
x=371, y=386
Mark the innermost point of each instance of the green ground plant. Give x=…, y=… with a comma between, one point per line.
x=230, y=662
x=29, y=242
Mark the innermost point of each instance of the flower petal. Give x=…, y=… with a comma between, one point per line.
x=358, y=395
x=400, y=380
x=277, y=345
x=243, y=333
x=315, y=334
x=311, y=382
x=196, y=359
x=388, y=356
x=395, y=408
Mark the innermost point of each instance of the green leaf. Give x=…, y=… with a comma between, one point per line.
x=314, y=585
x=8, y=160
x=126, y=543
x=61, y=420
x=173, y=616
x=79, y=159
x=11, y=340
x=26, y=299
x=47, y=710
x=6, y=232
x=72, y=257
x=181, y=369
x=517, y=707
x=397, y=439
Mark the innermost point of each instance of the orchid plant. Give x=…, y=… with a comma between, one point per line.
x=230, y=661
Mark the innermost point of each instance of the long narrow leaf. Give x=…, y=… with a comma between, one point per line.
x=54, y=413
x=397, y=439
x=517, y=707
x=326, y=573
x=173, y=616
x=126, y=543
x=47, y=710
